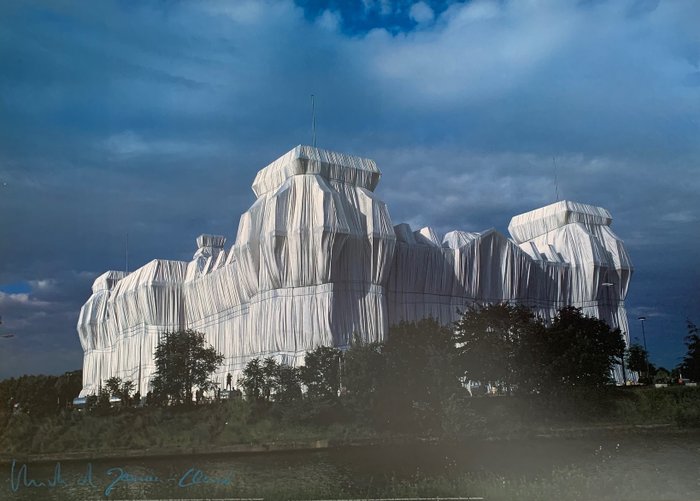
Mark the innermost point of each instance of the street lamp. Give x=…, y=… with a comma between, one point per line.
x=644, y=337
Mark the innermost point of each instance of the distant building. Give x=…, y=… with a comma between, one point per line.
x=318, y=260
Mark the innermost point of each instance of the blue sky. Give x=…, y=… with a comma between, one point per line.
x=152, y=118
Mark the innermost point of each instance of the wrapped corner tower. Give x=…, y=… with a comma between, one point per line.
x=317, y=261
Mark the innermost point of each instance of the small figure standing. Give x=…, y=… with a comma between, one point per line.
x=228, y=381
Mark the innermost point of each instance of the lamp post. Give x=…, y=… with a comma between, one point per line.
x=644, y=337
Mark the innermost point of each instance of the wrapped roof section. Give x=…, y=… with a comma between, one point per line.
x=545, y=219
x=356, y=171
x=108, y=280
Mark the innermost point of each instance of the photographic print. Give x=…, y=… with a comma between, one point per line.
x=349, y=249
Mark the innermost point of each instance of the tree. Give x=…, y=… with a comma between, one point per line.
x=488, y=340
x=363, y=369
x=125, y=391
x=120, y=389
x=183, y=362
x=420, y=374
x=662, y=376
x=68, y=387
x=579, y=352
x=506, y=345
x=270, y=369
x=270, y=380
x=252, y=380
x=321, y=373
x=287, y=384
x=637, y=359
x=690, y=366
x=100, y=404
x=37, y=395
x=113, y=385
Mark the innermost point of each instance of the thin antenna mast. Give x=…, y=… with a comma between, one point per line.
x=556, y=180
x=313, y=121
x=127, y=253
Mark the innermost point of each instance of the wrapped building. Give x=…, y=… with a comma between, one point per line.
x=318, y=261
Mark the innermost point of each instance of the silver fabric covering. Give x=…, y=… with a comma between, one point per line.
x=318, y=261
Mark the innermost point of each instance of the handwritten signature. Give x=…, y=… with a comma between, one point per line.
x=20, y=478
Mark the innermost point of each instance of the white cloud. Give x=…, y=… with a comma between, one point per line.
x=450, y=188
x=329, y=21
x=23, y=299
x=43, y=286
x=680, y=217
x=421, y=13
x=128, y=144
x=478, y=51
x=242, y=11
x=644, y=311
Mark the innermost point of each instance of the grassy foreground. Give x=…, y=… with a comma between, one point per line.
x=568, y=484
x=206, y=427
x=626, y=468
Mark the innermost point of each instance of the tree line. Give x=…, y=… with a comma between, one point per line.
x=637, y=359
x=412, y=377
x=40, y=396
x=418, y=369
x=421, y=372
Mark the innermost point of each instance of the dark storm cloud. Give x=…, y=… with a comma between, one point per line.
x=43, y=323
x=152, y=120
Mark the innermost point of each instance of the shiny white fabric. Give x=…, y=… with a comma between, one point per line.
x=317, y=261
